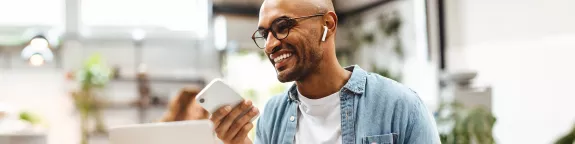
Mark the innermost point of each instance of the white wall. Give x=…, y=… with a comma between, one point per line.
x=524, y=50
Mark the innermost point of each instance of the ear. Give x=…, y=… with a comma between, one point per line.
x=330, y=21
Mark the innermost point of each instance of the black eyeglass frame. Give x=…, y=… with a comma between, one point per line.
x=292, y=23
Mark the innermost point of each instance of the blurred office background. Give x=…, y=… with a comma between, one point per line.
x=497, y=70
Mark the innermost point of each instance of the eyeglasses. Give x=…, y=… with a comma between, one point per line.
x=279, y=28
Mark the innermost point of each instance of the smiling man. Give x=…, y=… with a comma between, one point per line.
x=327, y=104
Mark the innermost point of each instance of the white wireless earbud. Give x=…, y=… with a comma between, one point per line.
x=324, y=33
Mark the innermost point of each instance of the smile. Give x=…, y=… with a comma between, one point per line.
x=282, y=57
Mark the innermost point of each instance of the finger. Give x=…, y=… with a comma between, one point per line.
x=217, y=116
x=238, y=124
x=243, y=134
x=231, y=117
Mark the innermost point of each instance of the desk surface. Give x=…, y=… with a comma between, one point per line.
x=23, y=138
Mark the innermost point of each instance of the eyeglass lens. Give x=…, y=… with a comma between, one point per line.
x=280, y=29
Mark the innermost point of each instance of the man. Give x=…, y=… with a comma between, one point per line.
x=328, y=104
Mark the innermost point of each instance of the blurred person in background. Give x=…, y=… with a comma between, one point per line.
x=327, y=104
x=184, y=107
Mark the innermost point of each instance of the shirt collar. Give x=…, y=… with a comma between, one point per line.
x=355, y=84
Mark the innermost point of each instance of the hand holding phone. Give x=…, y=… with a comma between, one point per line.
x=231, y=114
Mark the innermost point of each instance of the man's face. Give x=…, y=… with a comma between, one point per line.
x=298, y=54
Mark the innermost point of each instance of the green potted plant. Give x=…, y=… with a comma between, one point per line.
x=92, y=77
x=388, y=26
x=569, y=138
x=461, y=125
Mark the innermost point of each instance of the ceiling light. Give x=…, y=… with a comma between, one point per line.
x=39, y=42
x=36, y=60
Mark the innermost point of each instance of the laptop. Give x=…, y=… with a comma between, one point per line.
x=185, y=132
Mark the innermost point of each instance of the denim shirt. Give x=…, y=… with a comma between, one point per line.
x=374, y=110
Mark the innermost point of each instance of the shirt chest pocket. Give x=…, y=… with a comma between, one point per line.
x=381, y=139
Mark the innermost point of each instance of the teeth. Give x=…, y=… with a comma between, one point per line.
x=281, y=57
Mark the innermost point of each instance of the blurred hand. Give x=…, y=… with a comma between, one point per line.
x=230, y=130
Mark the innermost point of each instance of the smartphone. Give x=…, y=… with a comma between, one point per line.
x=218, y=94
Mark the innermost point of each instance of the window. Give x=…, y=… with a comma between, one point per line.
x=31, y=12
x=175, y=15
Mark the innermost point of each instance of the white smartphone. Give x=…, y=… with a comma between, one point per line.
x=217, y=94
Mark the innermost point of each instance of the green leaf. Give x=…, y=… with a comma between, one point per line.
x=392, y=26
x=94, y=59
x=30, y=117
x=569, y=138
x=369, y=38
x=471, y=125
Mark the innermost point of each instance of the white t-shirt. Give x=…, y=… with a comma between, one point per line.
x=319, y=120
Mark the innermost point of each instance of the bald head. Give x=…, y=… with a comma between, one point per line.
x=304, y=6
x=323, y=5
x=329, y=5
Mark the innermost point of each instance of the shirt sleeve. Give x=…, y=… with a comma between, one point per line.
x=421, y=126
x=259, y=138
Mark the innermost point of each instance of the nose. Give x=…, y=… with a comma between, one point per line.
x=272, y=44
